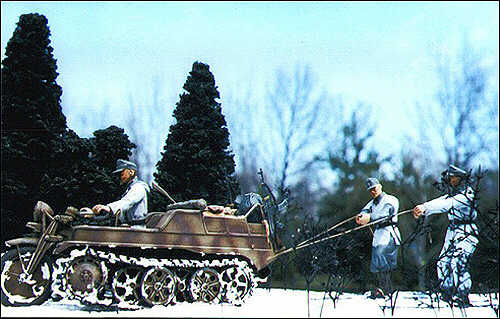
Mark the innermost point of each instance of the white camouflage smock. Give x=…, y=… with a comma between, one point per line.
x=386, y=240
x=134, y=202
x=460, y=241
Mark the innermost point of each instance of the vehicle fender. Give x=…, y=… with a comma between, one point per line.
x=264, y=272
x=30, y=241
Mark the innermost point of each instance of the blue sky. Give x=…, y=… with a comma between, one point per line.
x=378, y=53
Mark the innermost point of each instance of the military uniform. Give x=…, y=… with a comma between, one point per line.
x=134, y=202
x=386, y=237
x=461, y=239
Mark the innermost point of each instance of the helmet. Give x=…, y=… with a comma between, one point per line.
x=453, y=170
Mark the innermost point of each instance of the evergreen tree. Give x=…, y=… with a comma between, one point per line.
x=41, y=158
x=110, y=144
x=197, y=162
x=32, y=119
x=84, y=175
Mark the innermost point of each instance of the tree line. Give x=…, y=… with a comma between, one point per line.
x=307, y=135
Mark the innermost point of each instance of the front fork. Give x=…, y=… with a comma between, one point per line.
x=45, y=242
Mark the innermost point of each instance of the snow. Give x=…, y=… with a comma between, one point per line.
x=275, y=303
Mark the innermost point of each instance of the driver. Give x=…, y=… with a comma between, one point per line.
x=134, y=202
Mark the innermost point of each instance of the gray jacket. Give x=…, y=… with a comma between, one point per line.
x=383, y=206
x=134, y=202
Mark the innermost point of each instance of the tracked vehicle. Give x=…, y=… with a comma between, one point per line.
x=179, y=255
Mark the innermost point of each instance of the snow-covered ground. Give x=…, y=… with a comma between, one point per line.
x=289, y=303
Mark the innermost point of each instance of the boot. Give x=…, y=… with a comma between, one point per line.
x=376, y=293
x=387, y=283
x=384, y=281
x=462, y=300
x=380, y=291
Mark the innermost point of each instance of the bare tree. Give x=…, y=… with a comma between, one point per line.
x=147, y=124
x=247, y=138
x=301, y=122
x=464, y=123
x=283, y=132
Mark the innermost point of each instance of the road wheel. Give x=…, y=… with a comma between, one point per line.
x=19, y=289
x=158, y=286
x=205, y=285
x=236, y=285
x=125, y=285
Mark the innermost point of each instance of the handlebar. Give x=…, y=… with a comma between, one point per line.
x=86, y=212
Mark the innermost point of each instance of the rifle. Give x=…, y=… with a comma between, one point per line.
x=270, y=213
x=263, y=183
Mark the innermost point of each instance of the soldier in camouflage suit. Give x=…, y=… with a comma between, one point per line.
x=461, y=236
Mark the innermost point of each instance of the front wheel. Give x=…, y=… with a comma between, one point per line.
x=19, y=289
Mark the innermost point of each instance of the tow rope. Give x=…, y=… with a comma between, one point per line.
x=308, y=242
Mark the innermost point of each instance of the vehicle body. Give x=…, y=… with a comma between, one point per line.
x=176, y=255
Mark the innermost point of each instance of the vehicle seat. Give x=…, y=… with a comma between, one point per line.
x=157, y=219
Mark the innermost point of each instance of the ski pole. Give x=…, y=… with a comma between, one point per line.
x=327, y=231
x=358, y=227
x=286, y=251
x=355, y=228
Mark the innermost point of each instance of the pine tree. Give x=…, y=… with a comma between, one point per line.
x=32, y=118
x=197, y=162
x=84, y=176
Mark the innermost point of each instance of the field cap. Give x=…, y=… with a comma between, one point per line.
x=371, y=183
x=123, y=164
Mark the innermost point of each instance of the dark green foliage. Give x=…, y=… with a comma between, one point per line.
x=197, y=162
x=422, y=238
x=84, y=175
x=41, y=158
x=32, y=119
x=111, y=144
x=29, y=74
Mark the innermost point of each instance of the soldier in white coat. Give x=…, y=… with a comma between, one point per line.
x=134, y=202
x=386, y=237
x=461, y=236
